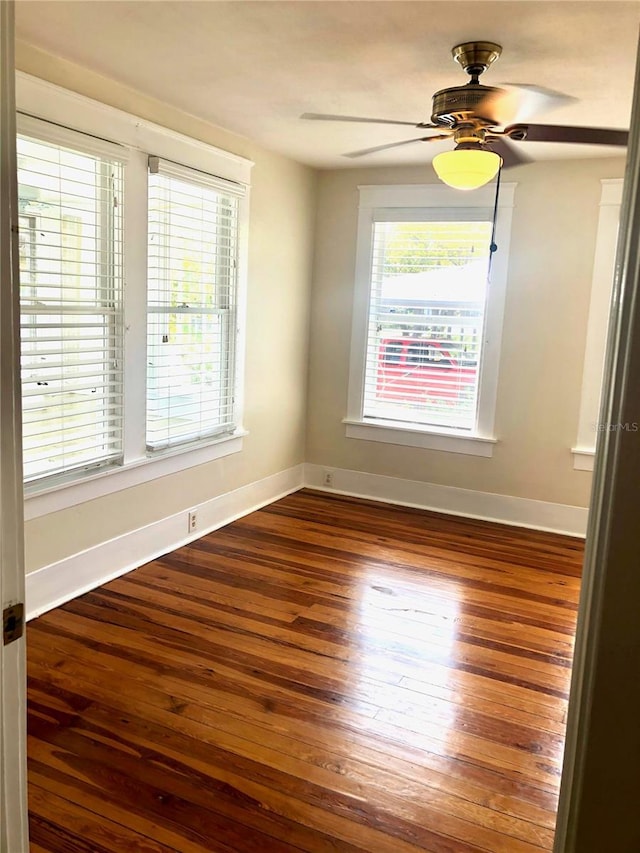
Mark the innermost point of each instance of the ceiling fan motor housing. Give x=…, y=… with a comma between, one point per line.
x=458, y=104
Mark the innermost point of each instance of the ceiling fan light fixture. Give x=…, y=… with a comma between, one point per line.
x=467, y=168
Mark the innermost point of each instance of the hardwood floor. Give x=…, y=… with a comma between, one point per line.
x=323, y=675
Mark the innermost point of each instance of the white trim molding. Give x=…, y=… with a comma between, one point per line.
x=390, y=432
x=504, y=509
x=598, y=323
x=436, y=196
x=44, y=100
x=105, y=482
x=583, y=458
x=52, y=585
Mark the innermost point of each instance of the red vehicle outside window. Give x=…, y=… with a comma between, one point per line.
x=411, y=370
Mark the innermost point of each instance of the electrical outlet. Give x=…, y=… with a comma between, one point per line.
x=193, y=521
x=327, y=478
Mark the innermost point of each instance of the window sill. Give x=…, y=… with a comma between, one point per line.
x=414, y=435
x=106, y=481
x=583, y=458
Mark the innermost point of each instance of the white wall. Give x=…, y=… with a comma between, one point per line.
x=280, y=255
x=550, y=269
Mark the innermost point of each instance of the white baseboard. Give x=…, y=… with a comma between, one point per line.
x=58, y=582
x=505, y=509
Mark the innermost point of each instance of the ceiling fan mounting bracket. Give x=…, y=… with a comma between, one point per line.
x=476, y=56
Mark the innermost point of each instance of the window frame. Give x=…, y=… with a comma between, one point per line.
x=432, y=202
x=61, y=113
x=604, y=268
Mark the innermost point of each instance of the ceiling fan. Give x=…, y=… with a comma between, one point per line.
x=480, y=119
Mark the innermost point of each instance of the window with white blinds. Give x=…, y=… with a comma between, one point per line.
x=191, y=305
x=428, y=289
x=430, y=283
x=70, y=246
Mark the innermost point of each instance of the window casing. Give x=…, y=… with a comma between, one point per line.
x=598, y=323
x=422, y=290
x=127, y=457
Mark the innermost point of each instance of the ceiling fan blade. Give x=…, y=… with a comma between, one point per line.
x=509, y=153
x=323, y=117
x=362, y=153
x=512, y=103
x=564, y=133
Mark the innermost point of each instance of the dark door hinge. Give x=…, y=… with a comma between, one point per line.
x=12, y=623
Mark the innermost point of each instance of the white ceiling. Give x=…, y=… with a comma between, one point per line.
x=254, y=67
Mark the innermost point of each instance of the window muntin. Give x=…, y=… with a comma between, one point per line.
x=192, y=282
x=70, y=251
x=427, y=299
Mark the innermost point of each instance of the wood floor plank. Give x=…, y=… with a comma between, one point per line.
x=461, y=534
x=335, y=644
x=336, y=774
x=375, y=695
x=377, y=807
x=406, y=557
x=66, y=822
x=301, y=577
x=378, y=647
x=353, y=716
x=325, y=674
x=322, y=566
x=524, y=772
x=320, y=746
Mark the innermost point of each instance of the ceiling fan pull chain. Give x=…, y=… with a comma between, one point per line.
x=493, y=246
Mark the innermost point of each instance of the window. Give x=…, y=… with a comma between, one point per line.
x=192, y=261
x=71, y=307
x=428, y=316
x=132, y=270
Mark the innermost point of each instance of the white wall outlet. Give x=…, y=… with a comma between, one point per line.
x=327, y=478
x=193, y=520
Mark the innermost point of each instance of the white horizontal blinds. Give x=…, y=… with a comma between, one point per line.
x=191, y=306
x=427, y=302
x=70, y=241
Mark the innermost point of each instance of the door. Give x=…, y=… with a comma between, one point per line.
x=13, y=775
